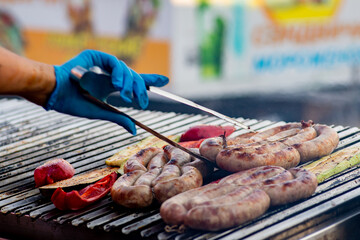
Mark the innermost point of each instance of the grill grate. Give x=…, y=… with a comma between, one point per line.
x=29, y=136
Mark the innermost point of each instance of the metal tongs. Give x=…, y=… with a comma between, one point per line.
x=79, y=73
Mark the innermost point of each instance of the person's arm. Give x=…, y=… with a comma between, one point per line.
x=51, y=86
x=20, y=76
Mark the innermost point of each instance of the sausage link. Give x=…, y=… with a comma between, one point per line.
x=273, y=131
x=168, y=172
x=326, y=141
x=204, y=168
x=173, y=210
x=253, y=175
x=303, y=185
x=158, y=161
x=210, y=147
x=230, y=195
x=148, y=177
x=124, y=193
x=237, y=159
x=176, y=155
x=190, y=178
x=303, y=135
x=221, y=216
x=172, y=168
x=140, y=159
x=154, y=168
x=241, y=139
x=278, y=178
x=238, y=198
x=284, y=135
x=221, y=190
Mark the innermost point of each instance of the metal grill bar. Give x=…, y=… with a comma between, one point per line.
x=29, y=136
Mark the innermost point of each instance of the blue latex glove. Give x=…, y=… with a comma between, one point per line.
x=67, y=99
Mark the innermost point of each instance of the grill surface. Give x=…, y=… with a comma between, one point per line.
x=29, y=136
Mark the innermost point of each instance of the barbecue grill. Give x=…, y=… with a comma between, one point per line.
x=29, y=136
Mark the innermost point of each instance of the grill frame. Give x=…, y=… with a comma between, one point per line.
x=29, y=136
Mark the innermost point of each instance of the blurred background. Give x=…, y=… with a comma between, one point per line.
x=286, y=60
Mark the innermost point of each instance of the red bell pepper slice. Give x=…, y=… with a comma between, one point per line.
x=191, y=144
x=206, y=131
x=76, y=200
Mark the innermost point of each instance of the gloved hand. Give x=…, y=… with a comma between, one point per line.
x=66, y=97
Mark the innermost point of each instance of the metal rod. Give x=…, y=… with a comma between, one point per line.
x=146, y=128
x=193, y=104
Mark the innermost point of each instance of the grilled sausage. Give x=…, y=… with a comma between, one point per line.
x=210, y=147
x=140, y=160
x=154, y=169
x=173, y=210
x=276, y=179
x=233, y=209
x=303, y=135
x=176, y=155
x=204, y=168
x=190, y=178
x=172, y=168
x=124, y=193
x=326, y=141
x=148, y=177
x=275, y=130
x=168, y=172
x=223, y=194
x=283, y=186
x=238, y=198
x=241, y=139
x=284, y=146
x=212, y=193
x=303, y=185
x=246, y=157
x=158, y=161
x=254, y=175
x=283, y=135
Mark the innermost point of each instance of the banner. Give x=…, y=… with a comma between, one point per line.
x=54, y=31
x=242, y=47
x=208, y=48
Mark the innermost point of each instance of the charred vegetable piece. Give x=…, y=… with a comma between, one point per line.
x=76, y=200
x=77, y=182
x=206, y=131
x=53, y=171
x=334, y=163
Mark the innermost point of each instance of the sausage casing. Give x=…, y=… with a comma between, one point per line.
x=190, y=178
x=140, y=160
x=326, y=141
x=242, y=158
x=124, y=193
x=213, y=217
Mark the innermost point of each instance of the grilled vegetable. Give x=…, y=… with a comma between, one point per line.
x=192, y=144
x=119, y=159
x=75, y=200
x=335, y=163
x=206, y=131
x=77, y=182
x=53, y=171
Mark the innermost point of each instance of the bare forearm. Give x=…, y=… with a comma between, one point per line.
x=26, y=78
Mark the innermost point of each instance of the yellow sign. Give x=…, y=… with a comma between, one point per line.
x=300, y=11
x=142, y=54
